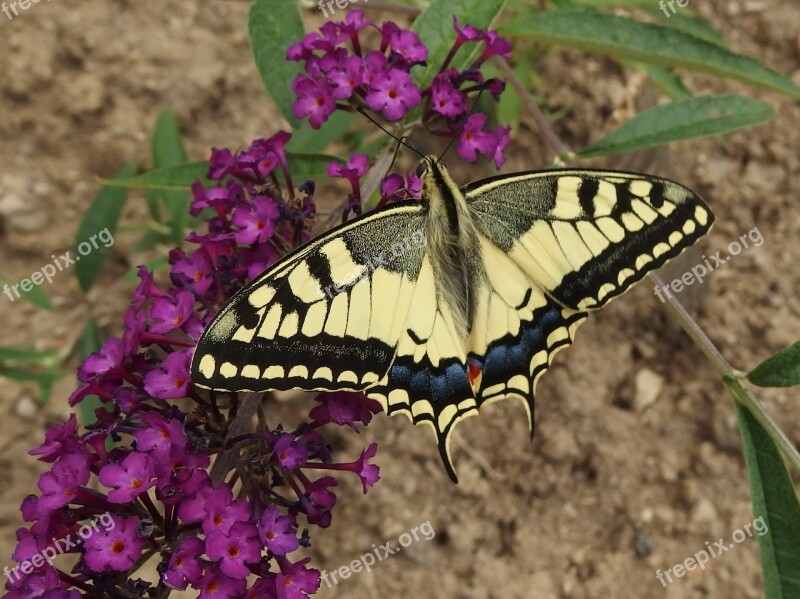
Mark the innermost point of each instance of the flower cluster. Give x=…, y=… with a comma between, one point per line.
x=381, y=80
x=149, y=452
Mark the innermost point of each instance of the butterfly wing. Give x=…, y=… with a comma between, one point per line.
x=327, y=317
x=555, y=245
x=586, y=236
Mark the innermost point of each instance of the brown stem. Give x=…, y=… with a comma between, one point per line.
x=238, y=426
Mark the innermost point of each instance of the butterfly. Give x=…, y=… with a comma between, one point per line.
x=438, y=306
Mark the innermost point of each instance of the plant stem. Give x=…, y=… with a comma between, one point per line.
x=730, y=377
x=552, y=138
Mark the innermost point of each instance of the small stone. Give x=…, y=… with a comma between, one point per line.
x=643, y=544
x=648, y=386
x=86, y=94
x=704, y=511
x=26, y=407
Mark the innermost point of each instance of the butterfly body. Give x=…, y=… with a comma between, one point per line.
x=439, y=306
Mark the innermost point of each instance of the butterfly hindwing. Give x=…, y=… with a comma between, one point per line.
x=328, y=316
x=586, y=236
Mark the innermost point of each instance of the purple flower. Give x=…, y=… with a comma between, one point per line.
x=344, y=408
x=197, y=270
x=129, y=479
x=168, y=314
x=368, y=473
x=215, y=585
x=62, y=484
x=115, y=548
x=102, y=362
x=315, y=100
x=184, y=564
x=355, y=168
x=160, y=435
x=277, y=532
x=171, y=379
x=57, y=439
x=393, y=95
x=346, y=78
x=466, y=33
x=503, y=139
x=495, y=45
x=408, y=45
x=234, y=549
x=263, y=588
x=222, y=511
x=295, y=581
x=256, y=222
x=290, y=453
x=318, y=501
x=474, y=139
x=445, y=98
x=220, y=163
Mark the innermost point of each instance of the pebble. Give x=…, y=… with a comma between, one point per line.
x=703, y=511
x=86, y=94
x=26, y=408
x=648, y=386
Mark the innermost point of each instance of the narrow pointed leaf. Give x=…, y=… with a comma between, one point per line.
x=99, y=220
x=774, y=500
x=779, y=370
x=685, y=119
x=168, y=151
x=36, y=295
x=622, y=38
x=178, y=177
x=22, y=354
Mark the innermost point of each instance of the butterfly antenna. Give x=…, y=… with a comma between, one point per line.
x=400, y=140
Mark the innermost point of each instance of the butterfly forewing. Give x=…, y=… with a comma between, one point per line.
x=586, y=236
x=328, y=316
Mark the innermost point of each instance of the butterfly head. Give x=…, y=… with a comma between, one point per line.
x=433, y=173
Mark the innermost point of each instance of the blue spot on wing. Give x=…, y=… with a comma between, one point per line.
x=511, y=355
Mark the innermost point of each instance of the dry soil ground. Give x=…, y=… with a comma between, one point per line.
x=636, y=462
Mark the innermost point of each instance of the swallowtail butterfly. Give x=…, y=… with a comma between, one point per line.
x=439, y=306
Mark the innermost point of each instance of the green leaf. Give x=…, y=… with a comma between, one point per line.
x=167, y=147
x=168, y=151
x=305, y=138
x=36, y=295
x=183, y=176
x=668, y=82
x=622, y=38
x=779, y=370
x=21, y=354
x=695, y=26
x=775, y=501
x=178, y=178
x=435, y=28
x=616, y=3
x=686, y=119
x=99, y=220
x=91, y=341
x=273, y=26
